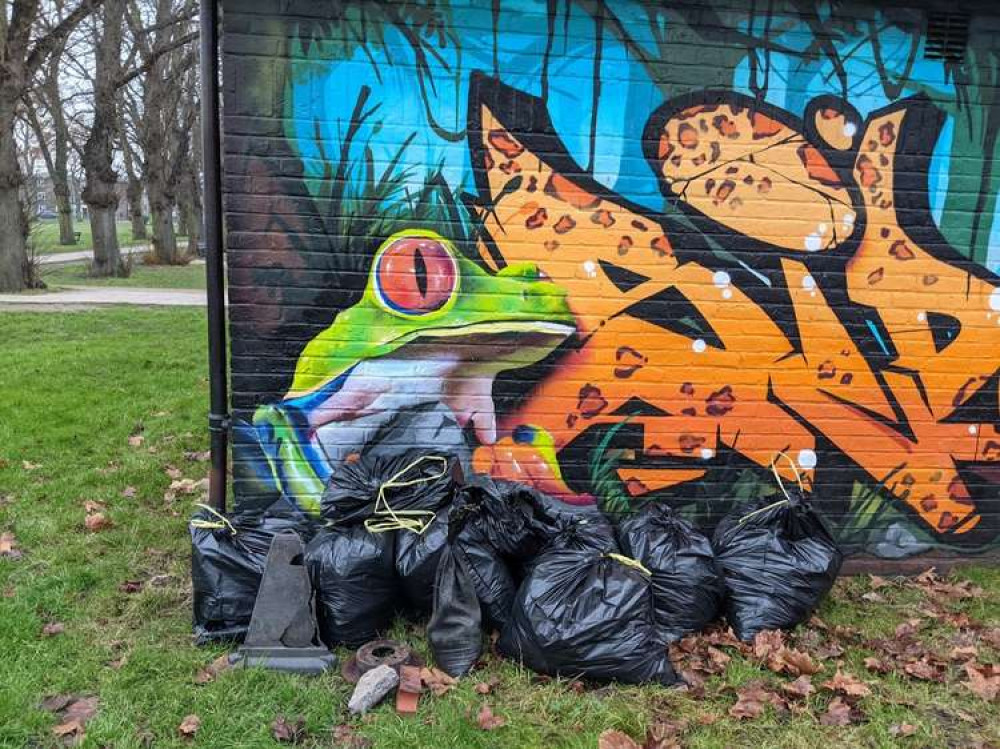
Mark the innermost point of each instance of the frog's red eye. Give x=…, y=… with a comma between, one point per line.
x=415, y=275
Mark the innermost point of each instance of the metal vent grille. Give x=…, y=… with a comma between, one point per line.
x=947, y=35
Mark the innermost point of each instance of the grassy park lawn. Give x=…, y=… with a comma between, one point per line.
x=101, y=409
x=145, y=276
x=45, y=236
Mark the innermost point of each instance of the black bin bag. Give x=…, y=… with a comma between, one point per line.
x=354, y=576
x=503, y=526
x=590, y=614
x=418, y=553
x=380, y=482
x=228, y=554
x=778, y=560
x=687, y=585
x=455, y=631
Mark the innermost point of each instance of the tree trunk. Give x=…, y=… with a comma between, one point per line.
x=163, y=238
x=104, y=230
x=133, y=194
x=67, y=233
x=13, y=252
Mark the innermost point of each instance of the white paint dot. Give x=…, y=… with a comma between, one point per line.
x=808, y=283
x=727, y=293
x=590, y=268
x=995, y=300
x=972, y=429
x=849, y=218
x=721, y=279
x=821, y=228
x=707, y=453
x=921, y=317
x=814, y=243
x=699, y=345
x=850, y=129
x=807, y=459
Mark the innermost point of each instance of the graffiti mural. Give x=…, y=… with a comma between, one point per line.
x=625, y=269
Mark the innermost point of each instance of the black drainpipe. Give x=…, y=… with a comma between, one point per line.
x=218, y=417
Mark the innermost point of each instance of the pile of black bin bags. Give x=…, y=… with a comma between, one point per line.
x=569, y=593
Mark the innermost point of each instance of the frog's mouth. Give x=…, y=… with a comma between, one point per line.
x=455, y=366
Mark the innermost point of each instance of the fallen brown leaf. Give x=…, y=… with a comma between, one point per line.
x=664, y=734
x=130, y=586
x=289, y=733
x=97, y=522
x=90, y=506
x=767, y=642
x=875, y=582
x=213, y=669
x=29, y=466
x=199, y=456
x=752, y=698
x=902, y=729
x=57, y=702
x=347, y=737
x=173, y=472
x=487, y=721
x=983, y=684
x=793, y=662
x=801, y=687
x=486, y=687
x=136, y=440
x=189, y=726
x=437, y=681
x=923, y=670
x=74, y=712
x=877, y=665
x=53, y=628
x=616, y=740
x=838, y=713
x=964, y=653
x=872, y=597
x=908, y=628
x=847, y=684
x=129, y=492
x=8, y=546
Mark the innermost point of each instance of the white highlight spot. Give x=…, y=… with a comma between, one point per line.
x=707, y=453
x=995, y=300
x=808, y=283
x=972, y=429
x=699, y=345
x=721, y=279
x=814, y=243
x=921, y=317
x=850, y=129
x=807, y=459
x=727, y=293
x=848, y=222
x=590, y=268
x=821, y=228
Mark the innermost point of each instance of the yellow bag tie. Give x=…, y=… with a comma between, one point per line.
x=210, y=525
x=385, y=518
x=781, y=485
x=628, y=562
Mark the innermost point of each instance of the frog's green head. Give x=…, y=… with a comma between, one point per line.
x=430, y=325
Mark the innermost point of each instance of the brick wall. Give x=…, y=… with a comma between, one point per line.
x=624, y=252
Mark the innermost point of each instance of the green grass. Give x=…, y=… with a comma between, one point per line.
x=146, y=276
x=45, y=236
x=76, y=386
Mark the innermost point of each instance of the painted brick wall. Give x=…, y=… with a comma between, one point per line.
x=624, y=251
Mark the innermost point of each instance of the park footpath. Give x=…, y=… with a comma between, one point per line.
x=83, y=297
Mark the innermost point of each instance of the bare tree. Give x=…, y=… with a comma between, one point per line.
x=166, y=54
x=133, y=188
x=53, y=137
x=100, y=192
x=23, y=50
